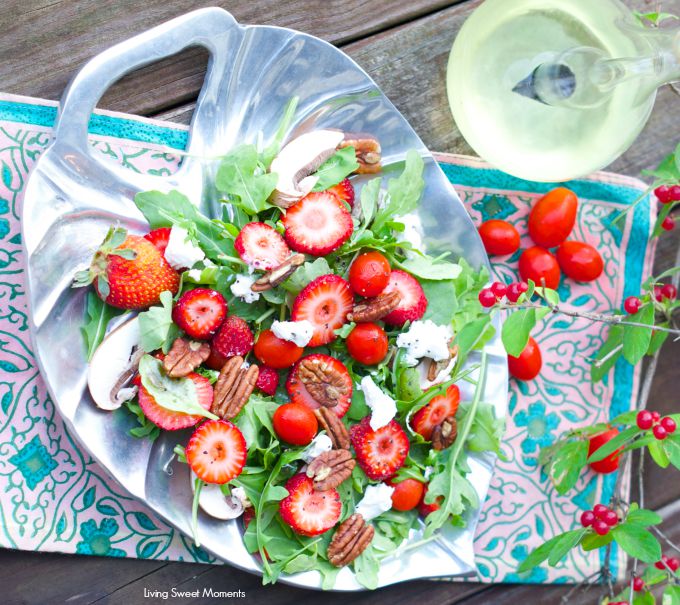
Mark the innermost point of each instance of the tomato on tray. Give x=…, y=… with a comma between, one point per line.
x=528, y=365
x=499, y=237
x=611, y=462
x=580, y=261
x=537, y=264
x=552, y=218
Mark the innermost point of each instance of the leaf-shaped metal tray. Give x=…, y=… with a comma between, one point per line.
x=75, y=193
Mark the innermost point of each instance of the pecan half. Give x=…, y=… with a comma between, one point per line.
x=279, y=274
x=185, y=356
x=330, y=469
x=233, y=387
x=437, y=366
x=372, y=309
x=444, y=434
x=334, y=428
x=324, y=383
x=367, y=149
x=349, y=541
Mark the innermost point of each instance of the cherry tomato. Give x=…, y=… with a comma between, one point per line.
x=528, y=364
x=499, y=237
x=537, y=264
x=275, y=352
x=216, y=360
x=611, y=462
x=367, y=343
x=552, y=218
x=407, y=494
x=369, y=274
x=579, y=261
x=426, y=509
x=295, y=423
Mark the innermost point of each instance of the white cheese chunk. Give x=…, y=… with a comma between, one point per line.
x=299, y=332
x=241, y=288
x=383, y=407
x=377, y=500
x=181, y=252
x=425, y=339
x=320, y=444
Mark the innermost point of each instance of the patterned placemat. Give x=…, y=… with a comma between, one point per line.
x=54, y=497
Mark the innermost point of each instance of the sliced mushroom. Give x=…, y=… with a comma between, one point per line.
x=214, y=503
x=113, y=366
x=298, y=160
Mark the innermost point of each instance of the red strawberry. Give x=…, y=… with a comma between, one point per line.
x=325, y=302
x=318, y=224
x=159, y=238
x=299, y=394
x=216, y=451
x=379, y=453
x=435, y=412
x=344, y=191
x=261, y=246
x=267, y=380
x=128, y=272
x=234, y=338
x=308, y=511
x=173, y=421
x=413, y=302
x=200, y=312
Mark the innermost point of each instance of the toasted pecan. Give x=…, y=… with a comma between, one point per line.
x=323, y=382
x=234, y=386
x=279, y=274
x=185, y=356
x=445, y=433
x=334, y=427
x=367, y=150
x=372, y=309
x=330, y=469
x=350, y=539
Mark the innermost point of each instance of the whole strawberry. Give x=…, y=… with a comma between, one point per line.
x=128, y=271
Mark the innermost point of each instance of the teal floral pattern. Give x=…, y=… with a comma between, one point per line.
x=54, y=497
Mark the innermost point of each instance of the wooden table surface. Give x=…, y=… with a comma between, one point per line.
x=403, y=45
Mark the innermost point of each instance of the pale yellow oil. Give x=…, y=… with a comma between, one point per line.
x=500, y=44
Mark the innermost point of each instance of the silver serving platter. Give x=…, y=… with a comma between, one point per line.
x=75, y=193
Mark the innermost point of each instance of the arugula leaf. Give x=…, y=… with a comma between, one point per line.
x=174, y=394
x=637, y=542
x=145, y=427
x=403, y=192
x=340, y=165
x=98, y=314
x=305, y=274
x=427, y=268
x=442, y=301
x=240, y=175
x=486, y=430
x=156, y=328
x=369, y=197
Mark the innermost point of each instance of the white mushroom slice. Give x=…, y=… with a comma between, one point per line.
x=298, y=160
x=214, y=503
x=113, y=365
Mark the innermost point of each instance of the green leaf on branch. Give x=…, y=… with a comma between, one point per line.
x=672, y=447
x=550, y=296
x=671, y=596
x=614, y=342
x=658, y=453
x=643, y=517
x=556, y=545
x=593, y=541
x=566, y=542
x=566, y=464
x=636, y=339
x=637, y=542
x=613, y=444
x=516, y=331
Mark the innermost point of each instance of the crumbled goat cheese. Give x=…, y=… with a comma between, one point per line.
x=299, y=332
x=181, y=252
x=383, y=407
x=412, y=233
x=425, y=339
x=241, y=288
x=377, y=500
x=320, y=444
x=428, y=472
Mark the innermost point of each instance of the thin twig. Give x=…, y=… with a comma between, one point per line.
x=665, y=537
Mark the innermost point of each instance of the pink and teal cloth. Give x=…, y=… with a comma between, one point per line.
x=54, y=497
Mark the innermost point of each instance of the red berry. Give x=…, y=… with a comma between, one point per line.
x=656, y=416
x=668, y=224
x=276, y=352
x=233, y=338
x=267, y=380
x=663, y=194
x=599, y=510
x=261, y=246
x=669, y=291
x=611, y=462
x=587, y=518
x=668, y=424
x=487, y=298
x=675, y=193
x=660, y=432
x=308, y=511
x=645, y=420
x=499, y=289
x=367, y=343
x=298, y=393
x=662, y=563
x=601, y=528
x=407, y=494
x=610, y=518
x=216, y=451
x=436, y=411
x=295, y=423
x=638, y=584
x=379, y=453
x=673, y=563
x=513, y=293
x=200, y=312
x=522, y=286
x=412, y=304
x=657, y=294
x=632, y=305
x=528, y=365
x=325, y=302
x=425, y=509
x=369, y=274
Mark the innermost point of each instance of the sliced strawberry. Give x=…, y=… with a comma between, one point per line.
x=267, y=380
x=435, y=412
x=216, y=451
x=261, y=246
x=344, y=190
x=200, y=312
x=159, y=238
x=379, y=453
x=412, y=303
x=299, y=394
x=234, y=338
x=318, y=224
x=173, y=421
x=325, y=302
x=308, y=511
